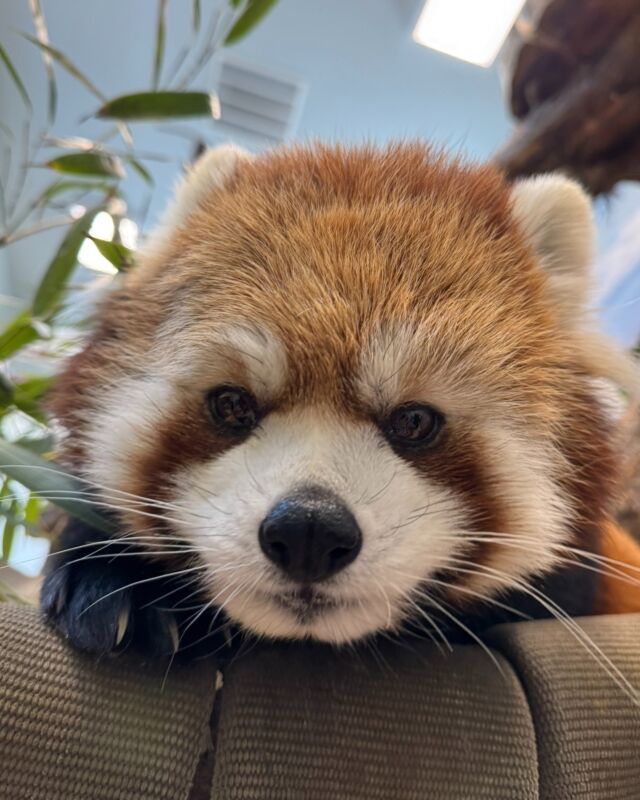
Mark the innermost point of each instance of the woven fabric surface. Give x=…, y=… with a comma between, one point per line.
x=73, y=729
x=588, y=730
x=305, y=722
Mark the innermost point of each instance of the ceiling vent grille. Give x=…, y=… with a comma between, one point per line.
x=258, y=104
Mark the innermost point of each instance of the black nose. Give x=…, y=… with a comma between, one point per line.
x=310, y=535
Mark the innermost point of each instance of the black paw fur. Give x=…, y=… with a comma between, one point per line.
x=106, y=599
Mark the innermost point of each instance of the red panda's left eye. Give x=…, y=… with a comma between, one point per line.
x=233, y=408
x=413, y=424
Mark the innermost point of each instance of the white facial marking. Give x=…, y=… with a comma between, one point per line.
x=215, y=355
x=262, y=354
x=127, y=421
x=537, y=513
x=409, y=524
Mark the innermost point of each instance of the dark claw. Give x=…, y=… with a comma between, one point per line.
x=105, y=604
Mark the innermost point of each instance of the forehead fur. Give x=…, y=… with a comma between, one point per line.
x=360, y=264
x=328, y=247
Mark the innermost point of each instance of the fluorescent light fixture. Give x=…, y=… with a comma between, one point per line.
x=472, y=30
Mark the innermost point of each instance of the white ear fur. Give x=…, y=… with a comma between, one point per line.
x=555, y=214
x=210, y=171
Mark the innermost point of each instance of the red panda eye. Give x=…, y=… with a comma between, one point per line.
x=233, y=408
x=413, y=424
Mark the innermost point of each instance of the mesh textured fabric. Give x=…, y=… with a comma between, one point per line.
x=306, y=722
x=75, y=729
x=587, y=729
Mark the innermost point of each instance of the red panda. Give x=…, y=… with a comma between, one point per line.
x=346, y=391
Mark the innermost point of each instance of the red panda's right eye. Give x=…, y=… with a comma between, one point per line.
x=233, y=408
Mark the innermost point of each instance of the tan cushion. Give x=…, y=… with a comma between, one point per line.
x=305, y=723
x=403, y=723
x=73, y=729
x=588, y=730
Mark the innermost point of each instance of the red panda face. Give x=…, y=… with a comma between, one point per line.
x=356, y=382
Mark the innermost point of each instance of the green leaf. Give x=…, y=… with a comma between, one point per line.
x=116, y=253
x=142, y=171
x=32, y=388
x=43, y=39
x=159, y=51
x=160, y=105
x=20, y=332
x=8, y=534
x=52, y=482
x=6, y=391
x=32, y=509
x=70, y=67
x=59, y=187
x=53, y=283
x=4, y=57
x=196, y=15
x=103, y=165
x=28, y=394
x=40, y=445
x=254, y=12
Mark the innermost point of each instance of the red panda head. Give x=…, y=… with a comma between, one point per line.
x=349, y=378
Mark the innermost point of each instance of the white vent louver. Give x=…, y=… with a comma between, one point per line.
x=257, y=103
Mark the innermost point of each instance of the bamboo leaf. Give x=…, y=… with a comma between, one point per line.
x=161, y=105
x=115, y=252
x=32, y=510
x=40, y=445
x=142, y=171
x=53, y=283
x=20, y=332
x=28, y=394
x=253, y=13
x=6, y=391
x=59, y=187
x=160, y=40
x=196, y=15
x=50, y=481
x=4, y=57
x=43, y=39
x=102, y=165
x=70, y=67
x=8, y=534
x=72, y=142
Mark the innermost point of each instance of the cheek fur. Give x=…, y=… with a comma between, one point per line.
x=145, y=434
x=418, y=515
x=409, y=524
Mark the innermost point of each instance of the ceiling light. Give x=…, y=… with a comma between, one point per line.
x=472, y=30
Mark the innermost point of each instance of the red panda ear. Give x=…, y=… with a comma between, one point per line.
x=209, y=172
x=555, y=214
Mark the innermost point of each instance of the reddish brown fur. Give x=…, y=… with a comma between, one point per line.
x=325, y=245
x=619, y=590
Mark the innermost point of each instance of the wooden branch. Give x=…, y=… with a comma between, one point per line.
x=562, y=35
x=600, y=178
x=595, y=119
